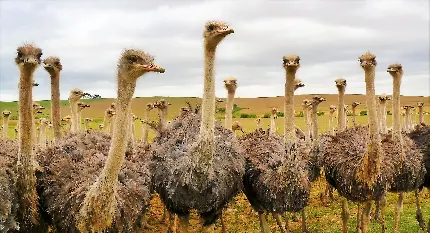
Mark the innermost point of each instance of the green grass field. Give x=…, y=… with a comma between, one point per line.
x=239, y=216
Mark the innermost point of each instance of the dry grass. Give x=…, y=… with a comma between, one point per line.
x=239, y=215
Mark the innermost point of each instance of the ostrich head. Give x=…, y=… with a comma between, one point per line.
x=52, y=65
x=274, y=111
x=76, y=94
x=420, y=104
x=383, y=98
x=113, y=105
x=215, y=32
x=333, y=108
x=6, y=113
x=37, y=108
x=184, y=109
x=340, y=83
x=219, y=100
x=355, y=104
x=88, y=119
x=101, y=126
x=28, y=57
x=237, y=126
x=367, y=61
x=110, y=112
x=298, y=83
x=67, y=119
x=230, y=84
x=395, y=69
x=82, y=105
x=258, y=120
x=149, y=106
x=134, y=63
x=318, y=99
x=408, y=107
x=306, y=102
x=291, y=62
x=161, y=104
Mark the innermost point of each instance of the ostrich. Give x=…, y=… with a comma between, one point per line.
x=68, y=121
x=258, y=120
x=81, y=106
x=236, y=126
x=346, y=115
x=145, y=128
x=49, y=135
x=408, y=122
x=305, y=105
x=37, y=108
x=105, y=191
x=341, y=123
x=53, y=66
x=420, y=113
x=43, y=123
x=332, y=110
x=275, y=180
x=383, y=112
x=74, y=96
x=28, y=60
x=410, y=171
x=6, y=115
x=197, y=164
x=273, y=113
x=162, y=106
x=230, y=85
x=354, y=105
x=107, y=120
x=101, y=126
x=87, y=122
x=352, y=158
x=134, y=118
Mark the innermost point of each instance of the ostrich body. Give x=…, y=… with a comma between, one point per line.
x=273, y=113
x=106, y=192
x=145, y=128
x=352, y=158
x=275, y=180
x=53, y=66
x=332, y=110
x=383, y=112
x=230, y=85
x=197, y=164
x=75, y=95
x=6, y=115
x=354, y=107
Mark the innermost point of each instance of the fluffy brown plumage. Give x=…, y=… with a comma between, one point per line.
x=272, y=182
x=74, y=164
x=421, y=137
x=8, y=192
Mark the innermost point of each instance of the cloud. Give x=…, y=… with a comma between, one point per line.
x=328, y=35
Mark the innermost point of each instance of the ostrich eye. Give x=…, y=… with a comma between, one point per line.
x=285, y=61
x=39, y=55
x=19, y=54
x=132, y=59
x=211, y=27
x=360, y=60
x=57, y=63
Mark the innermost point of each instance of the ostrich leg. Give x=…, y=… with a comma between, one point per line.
x=358, y=225
x=366, y=217
x=419, y=213
x=279, y=222
x=223, y=227
x=263, y=223
x=171, y=218
x=397, y=210
x=382, y=204
x=304, y=227
x=345, y=215
x=184, y=221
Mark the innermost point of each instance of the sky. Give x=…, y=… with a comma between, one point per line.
x=329, y=36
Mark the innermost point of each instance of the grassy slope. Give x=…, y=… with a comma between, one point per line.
x=239, y=215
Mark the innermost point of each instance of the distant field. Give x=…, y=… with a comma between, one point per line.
x=239, y=216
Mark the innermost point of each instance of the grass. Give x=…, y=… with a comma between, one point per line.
x=239, y=216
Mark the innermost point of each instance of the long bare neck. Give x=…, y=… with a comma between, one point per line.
x=55, y=105
x=383, y=116
x=207, y=127
x=86, y=125
x=341, y=122
x=75, y=116
x=79, y=119
x=306, y=119
x=331, y=123
x=109, y=175
x=229, y=110
x=353, y=117
x=145, y=127
x=42, y=135
x=408, y=119
x=272, y=124
x=5, y=126
x=289, y=129
x=421, y=114
x=314, y=117
x=397, y=128
x=163, y=118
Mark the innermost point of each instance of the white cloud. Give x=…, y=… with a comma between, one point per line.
x=329, y=36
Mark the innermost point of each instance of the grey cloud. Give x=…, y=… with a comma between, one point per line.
x=329, y=36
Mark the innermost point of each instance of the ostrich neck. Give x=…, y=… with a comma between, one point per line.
x=5, y=126
x=42, y=135
x=374, y=150
x=75, y=115
x=289, y=129
x=109, y=176
x=86, y=125
x=314, y=119
x=331, y=123
x=163, y=118
x=421, y=115
x=306, y=119
x=341, y=123
x=383, y=116
x=207, y=126
x=145, y=127
x=25, y=118
x=353, y=117
x=55, y=105
x=272, y=124
x=397, y=129
x=229, y=110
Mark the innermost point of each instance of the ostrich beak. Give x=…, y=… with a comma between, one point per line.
x=226, y=31
x=154, y=68
x=390, y=70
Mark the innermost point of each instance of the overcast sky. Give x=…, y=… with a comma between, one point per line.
x=329, y=36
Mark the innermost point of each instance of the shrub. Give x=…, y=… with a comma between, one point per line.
x=266, y=115
x=320, y=113
x=389, y=113
x=363, y=113
x=280, y=114
x=246, y=115
x=300, y=114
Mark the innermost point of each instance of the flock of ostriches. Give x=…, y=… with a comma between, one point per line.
x=103, y=180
